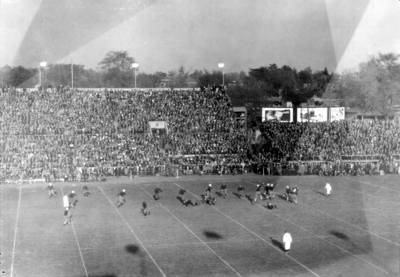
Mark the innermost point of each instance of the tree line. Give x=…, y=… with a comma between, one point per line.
x=375, y=86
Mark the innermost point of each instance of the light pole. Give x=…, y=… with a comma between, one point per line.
x=221, y=65
x=42, y=64
x=135, y=66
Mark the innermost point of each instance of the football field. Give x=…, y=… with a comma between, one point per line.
x=354, y=232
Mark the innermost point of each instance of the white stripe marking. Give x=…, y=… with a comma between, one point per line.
x=371, y=184
x=77, y=242
x=137, y=238
x=15, y=234
x=286, y=255
x=192, y=232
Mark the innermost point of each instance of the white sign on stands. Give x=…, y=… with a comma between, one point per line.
x=312, y=114
x=337, y=113
x=277, y=114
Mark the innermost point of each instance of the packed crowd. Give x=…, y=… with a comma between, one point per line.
x=330, y=141
x=88, y=134
x=62, y=131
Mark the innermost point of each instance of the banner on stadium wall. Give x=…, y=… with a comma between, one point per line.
x=337, y=113
x=312, y=114
x=277, y=114
x=158, y=125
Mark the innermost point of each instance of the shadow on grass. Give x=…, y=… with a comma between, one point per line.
x=74, y=203
x=180, y=199
x=236, y=194
x=339, y=235
x=212, y=235
x=135, y=250
x=323, y=194
x=278, y=244
x=105, y=275
x=219, y=194
x=281, y=196
x=132, y=249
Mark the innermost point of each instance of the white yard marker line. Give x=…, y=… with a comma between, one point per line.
x=192, y=233
x=286, y=255
x=351, y=224
x=371, y=184
x=80, y=252
x=322, y=238
x=77, y=242
x=368, y=194
x=137, y=238
x=15, y=234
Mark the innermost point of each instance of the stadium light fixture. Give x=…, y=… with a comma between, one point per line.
x=222, y=65
x=135, y=66
x=42, y=64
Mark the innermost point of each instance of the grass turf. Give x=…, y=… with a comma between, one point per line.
x=354, y=232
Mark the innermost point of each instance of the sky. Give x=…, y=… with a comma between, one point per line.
x=162, y=35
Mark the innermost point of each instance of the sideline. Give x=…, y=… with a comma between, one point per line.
x=15, y=234
x=76, y=238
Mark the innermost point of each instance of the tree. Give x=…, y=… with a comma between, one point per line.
x=117, y=69
x=380, y=77
x=375, y=87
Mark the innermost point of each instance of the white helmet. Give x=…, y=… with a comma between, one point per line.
x=73, y=191
x=123, y=190
x=209, y=185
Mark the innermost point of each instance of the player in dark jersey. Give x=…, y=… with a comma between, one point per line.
x=287, y=194
x=181, y=196
x=208, y=197
x=209, y=191
x=265, y=195
x=223, y=189
x=157, y=192
x=258, y=194
x=144, y=209
x=51, y=191
x=71, y=196
x=240, y=191
x=67, y=216
x=121, y=198
x=191, y=202
x=86, y=191
x=271, y=206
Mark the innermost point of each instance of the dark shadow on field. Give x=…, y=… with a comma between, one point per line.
x=248, y=196
x=180, y=199
x=75, y=202
x=219, y=194
x=135, y=250
x=281, y=196
x=132, y=249
x=236, y=194
x=278, y=244
x=323, y=194
x=339, y=235
x=106, y=275
x=212, y=235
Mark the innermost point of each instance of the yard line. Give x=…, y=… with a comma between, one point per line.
x=286, y=255
x=192, y=233
x=350, y=224
x=322, y=238
x=77, y=242
x=368, y=194
x=151, y=257
x=370, y=184
x=15, y=234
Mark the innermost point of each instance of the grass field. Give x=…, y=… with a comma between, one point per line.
x=355, y=232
